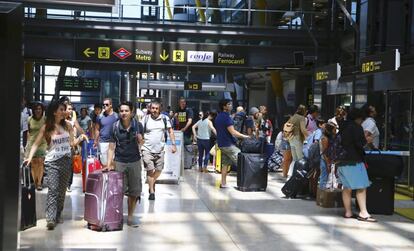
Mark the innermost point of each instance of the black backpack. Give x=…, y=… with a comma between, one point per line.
x=239, y=121
x=314, y=155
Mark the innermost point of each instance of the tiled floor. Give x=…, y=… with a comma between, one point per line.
x=197, y=215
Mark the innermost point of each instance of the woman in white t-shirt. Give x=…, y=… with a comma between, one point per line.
x=202, y=134
x=58, y=134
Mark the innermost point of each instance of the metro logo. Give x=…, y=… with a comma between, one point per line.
x=200, y=57
x=122, y=53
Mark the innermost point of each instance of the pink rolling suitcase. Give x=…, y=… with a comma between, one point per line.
x=104, y=200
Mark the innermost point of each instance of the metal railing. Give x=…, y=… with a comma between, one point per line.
x=203, y=15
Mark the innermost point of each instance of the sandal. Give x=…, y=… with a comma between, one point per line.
x=366, y=219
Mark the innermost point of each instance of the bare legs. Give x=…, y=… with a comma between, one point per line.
x=361, y=196
x=132, y=203
x=152, y=177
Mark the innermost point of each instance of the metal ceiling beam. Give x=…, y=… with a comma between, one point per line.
x=168, y=30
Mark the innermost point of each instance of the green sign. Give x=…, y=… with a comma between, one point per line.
x=79, y=84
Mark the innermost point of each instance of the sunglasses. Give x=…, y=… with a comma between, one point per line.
x=106, y=105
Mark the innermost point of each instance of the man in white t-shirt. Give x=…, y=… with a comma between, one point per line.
x=156, y=126
x=370, y=128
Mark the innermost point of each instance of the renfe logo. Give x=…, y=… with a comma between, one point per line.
x=200, y=57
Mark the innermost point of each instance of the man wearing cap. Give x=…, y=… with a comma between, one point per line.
x=251, y=122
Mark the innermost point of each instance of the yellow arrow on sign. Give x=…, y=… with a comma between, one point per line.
x=88, y=52
x=164, y=56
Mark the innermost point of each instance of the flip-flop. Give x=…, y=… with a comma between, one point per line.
x=366, y=219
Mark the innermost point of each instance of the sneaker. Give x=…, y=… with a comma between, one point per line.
x=50, y=225
x=152, y=196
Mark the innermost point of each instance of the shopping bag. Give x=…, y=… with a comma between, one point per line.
x=333, y=182
x=77, y=163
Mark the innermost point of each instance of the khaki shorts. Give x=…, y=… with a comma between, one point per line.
x=153, y=160
x=229, y=155
x=132, y=177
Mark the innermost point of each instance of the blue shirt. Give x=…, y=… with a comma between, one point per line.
x=105, y=124
x=224, y=138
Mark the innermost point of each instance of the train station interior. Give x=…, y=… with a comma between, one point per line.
x=276, y=54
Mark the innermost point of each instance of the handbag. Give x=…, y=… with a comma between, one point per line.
x=333, y=182
x=213, y=150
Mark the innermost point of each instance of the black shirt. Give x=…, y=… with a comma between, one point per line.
x=183, y=116
x=353, y=141
x=127, y=149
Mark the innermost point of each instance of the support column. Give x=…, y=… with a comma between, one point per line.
x=28, y=81
x=128, y=87
x=11, y=65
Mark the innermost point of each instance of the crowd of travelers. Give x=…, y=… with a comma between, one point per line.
x=129, y=139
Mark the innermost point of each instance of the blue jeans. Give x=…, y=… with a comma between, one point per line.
x=323, y=178
x=204, y=147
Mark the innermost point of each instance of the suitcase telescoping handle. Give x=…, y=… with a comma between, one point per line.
x=26, y=176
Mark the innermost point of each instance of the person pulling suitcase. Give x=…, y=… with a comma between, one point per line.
x=124, y=155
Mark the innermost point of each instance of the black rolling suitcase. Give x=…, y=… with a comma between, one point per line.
x=298, y=181
x=380, y=196
x=252, y=172
x=28, y=203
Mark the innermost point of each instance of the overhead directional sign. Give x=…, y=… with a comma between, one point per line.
x=387, y=61
x=328, y=72
x=164, y=56
x=79, y=84
x=193, y=85
x=159, y=52
x=88, y=53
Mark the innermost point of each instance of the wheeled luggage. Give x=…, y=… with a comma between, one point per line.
x=28, y=204
x=252, y=145
x=252, y=172
x=298, y=181
x=380, y=196
x=274, y=162
x=90, y=165
x=386, y=164
x=190, y=154
x=104, y=201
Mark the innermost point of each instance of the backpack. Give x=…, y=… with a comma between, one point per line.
x=239, y=121
x=335, y=150
x=288, y=130
x=115, y=130
x=314, y=155
x=164, y=119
